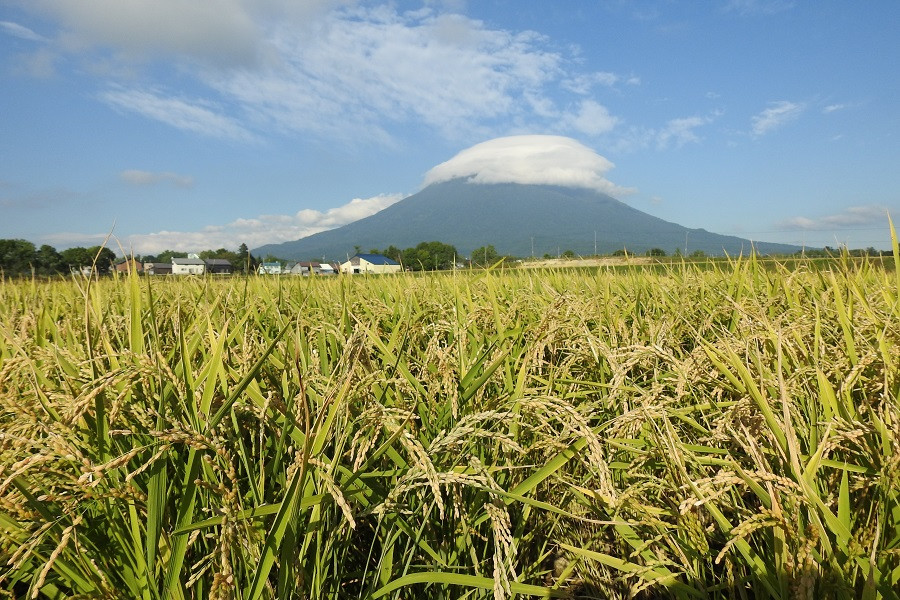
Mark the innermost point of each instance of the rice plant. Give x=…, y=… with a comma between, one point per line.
x=700, y=431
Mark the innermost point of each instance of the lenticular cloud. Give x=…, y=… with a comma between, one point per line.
x=529, y=159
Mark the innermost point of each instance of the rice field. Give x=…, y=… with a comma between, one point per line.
x=727, y=431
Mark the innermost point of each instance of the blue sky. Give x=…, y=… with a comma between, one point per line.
x=191, y=125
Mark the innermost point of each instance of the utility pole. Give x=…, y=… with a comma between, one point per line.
x=532, y=246
x=595, y=242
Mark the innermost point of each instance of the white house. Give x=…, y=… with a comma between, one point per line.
x=370, y=263
x=270, y=268
x=188, y=266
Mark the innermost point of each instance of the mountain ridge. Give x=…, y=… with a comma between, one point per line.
x=518, y=220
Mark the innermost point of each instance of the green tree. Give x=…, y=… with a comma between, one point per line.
x=49, y=261
x=166, y=256
x=243, y=258
x=16, y=256
x=568, y=254
x=433, y=256
x=75, y=258
x=393, y=252
x=102, y=258
x=485, y=256
x=658, y=252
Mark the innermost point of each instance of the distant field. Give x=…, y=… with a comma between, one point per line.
x=719, y=430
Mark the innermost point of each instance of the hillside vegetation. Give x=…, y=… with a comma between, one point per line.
x=725, y=432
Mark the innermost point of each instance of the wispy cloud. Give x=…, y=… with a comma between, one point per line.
x=198, y=116
x=778, y=114
x=852, y=216
x=681, y=131
x=264, y=229
x=834, y=108
x=69, y=239
x=20, y=31
x=758, y=7
x=675, y=133
x=148, y=178
x=334, y=69
x=365, y=70
x=583, y=83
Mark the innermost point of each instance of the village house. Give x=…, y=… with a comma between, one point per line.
x=128, y=264
x=270, y=268
x=307, y=268
x=370, y=263
x=188, y=266
x=299, y=268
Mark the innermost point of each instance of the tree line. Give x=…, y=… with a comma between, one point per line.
x=438, y=256
x=21, y=257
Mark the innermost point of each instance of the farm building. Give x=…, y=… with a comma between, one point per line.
x=370, y=263
x=157, y=268
x=219, y=266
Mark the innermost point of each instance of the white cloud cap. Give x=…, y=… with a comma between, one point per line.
x=529, y=159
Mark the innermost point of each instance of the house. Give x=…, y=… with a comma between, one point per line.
x=304, y=269
x=270, y=268
x=156, y=268
x=307, y=268
x=370, y=263
x=219, y=266
x=129, y=264
x=188, y=266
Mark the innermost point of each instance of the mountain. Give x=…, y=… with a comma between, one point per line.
x=519, y=220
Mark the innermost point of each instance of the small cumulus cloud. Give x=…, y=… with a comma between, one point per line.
x=591, y=118
x=852, y=216
x=20, y=31
x=778, y=114
x=834, y=108
x=148, y=178
x=264, y=229
x=529, y=159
